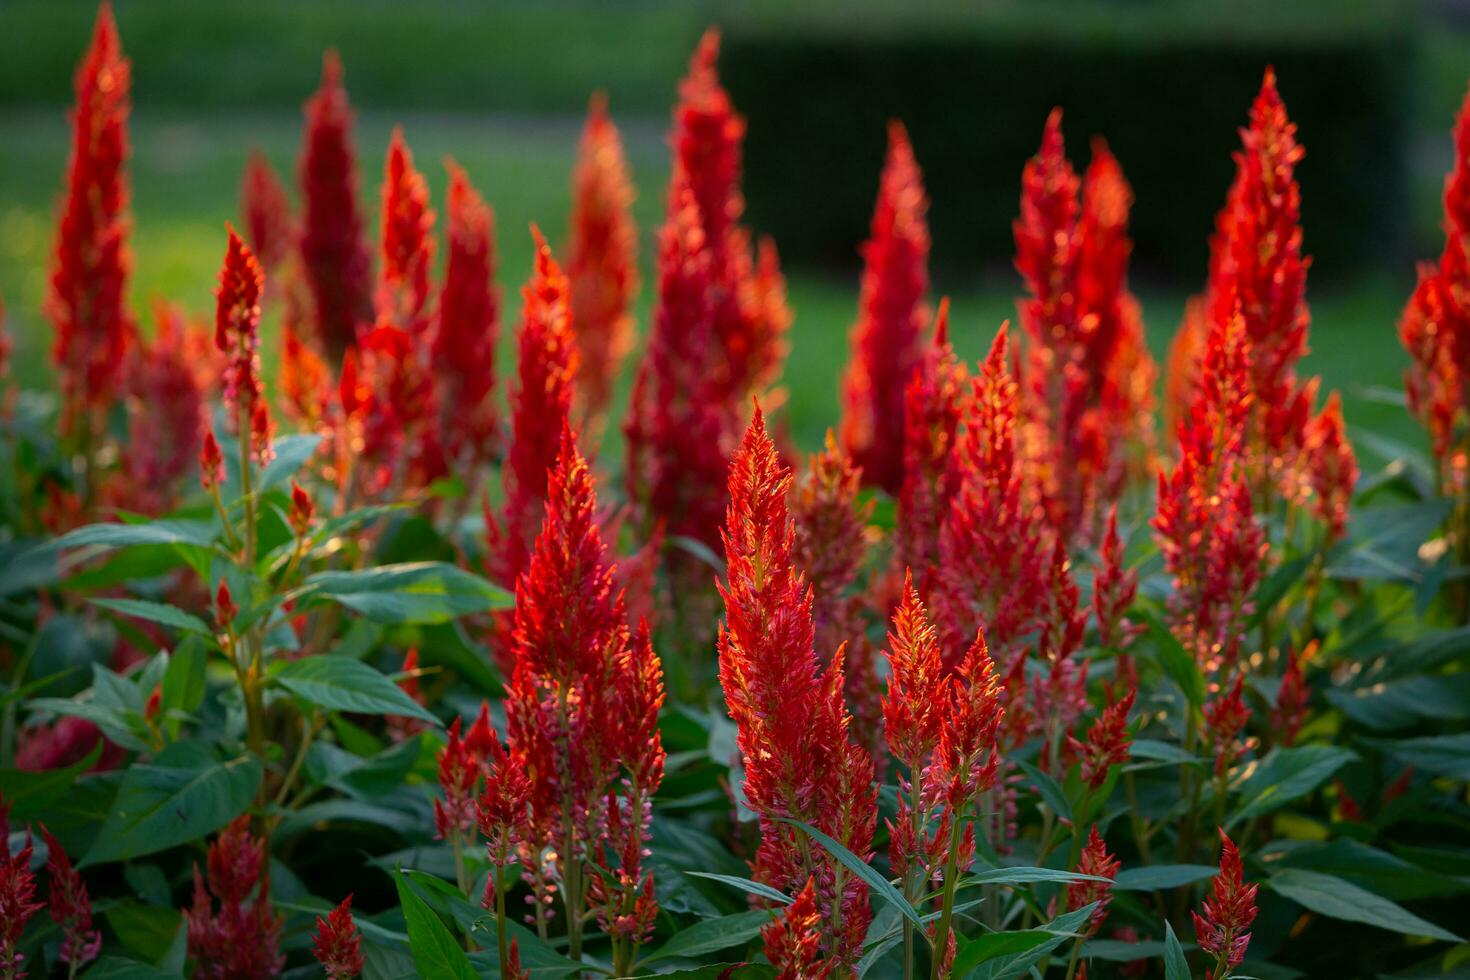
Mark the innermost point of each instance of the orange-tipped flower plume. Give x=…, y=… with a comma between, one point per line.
x=91, y=262
x=788, y=710
x=602, y=263
x=334, y=252
x=886, y=340
x=793, y=941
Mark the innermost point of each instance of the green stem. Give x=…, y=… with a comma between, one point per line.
x=940, y=946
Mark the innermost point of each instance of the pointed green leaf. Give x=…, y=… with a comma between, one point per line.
x=1336, y=898
x=412, y=593
x=156, y=612
x=343, y=684
x=880, y=885
x=745, y=885
x=713, y=935
x=435, y=951
x=1176, y=967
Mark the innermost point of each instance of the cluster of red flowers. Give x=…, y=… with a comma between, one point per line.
x=67, y=900
x=232, y=929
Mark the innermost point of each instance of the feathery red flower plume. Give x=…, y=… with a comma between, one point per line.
x=602, y=263
x=794, y=940
x=334, y=252
x=1223, y=928
x=917, y=704
x=242, y=937
x=1107, y=742
x=1332, y=468
x=1095, y=860
x=407, y=242
x=337, y=945
x=459, y=774
x=165, y=410
x=237, y=335
x=91, y=262
x=17, y=894
x=265, y=212
x=790, y=717
x=1293, y=696
x=469, y=329
x=1226, y=716
x=886, y=340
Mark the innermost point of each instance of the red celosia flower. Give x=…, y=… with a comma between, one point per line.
x=240, y=938
x=1292, y=697
x=302, y=510
x=1095, y=860
x=469, y=327
x=540, y=407
x=794, y=940
x=333, y=252
x=1205, y=523
x=211, y=462
x=886, y=344
x=408, y=242
x=459, y=774
x=265, y=212
x=17, y=896
x=1088, y=369
x=1223, y=928
x=830, y=541
x=401, y=727
x=995, y=546
x=1225, y=719
x=388, y=401
x=237, y=335
x=1107, y=742
x=65, y=742
x=337, y=945
x=789, y=713
x=71, y=907
x=933, y=401
x=165, y=410
x=602, y=263
x=305, y=381
x=503, y=808
x=224, y=606
x=91, y=261
x=1332, y=468
x=1113, y=590
x=512, y=969
x=918, y=699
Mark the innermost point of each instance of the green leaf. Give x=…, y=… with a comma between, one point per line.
x=413, y=593
x=126, y=535
x=1176, y=967
x=184, y=678
x=1015, y=963
x=1152, y=750
x=118, y=968
x=1157, y=876
x=30, y=794
x=990, y=945
x=156, y=612
x=114, y=723
x=291, y=453
x=713, y=935
x=879, y=885
x=1026, y=876
x=435, y=951
x=1178, y=663
x=1049, y=790
x=745, y=885
x=184, y=794
x=1407, y=702
x=343, y=684
x=143, y=929
x=1285, y=775
x=1338, y=899
x=1441, y=755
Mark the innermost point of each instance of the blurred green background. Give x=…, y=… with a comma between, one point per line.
x=502, y=87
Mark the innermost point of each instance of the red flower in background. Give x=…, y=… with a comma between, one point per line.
x=886, y=341
x=602, y=264
x=408, y=243
x=337, y=944
x=265, y=212
x=237, y=335
x=794, y=940
x=469, y=328
x=1223, y=922
x=71, y=907
x=1095, y=860
x=788, y=710
x=241, y=936
x=91, y=264
x=17, y=895
x=334, y=253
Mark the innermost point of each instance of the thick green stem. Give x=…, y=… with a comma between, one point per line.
x=940, y=946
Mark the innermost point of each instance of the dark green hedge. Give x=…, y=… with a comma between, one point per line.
x=975, y=102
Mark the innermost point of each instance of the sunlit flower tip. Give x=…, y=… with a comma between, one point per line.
x=337, y=945
x=916, y=705
x=71, y=907
x=237, y=299
x=1224, y=920
x=302, y=509
x=1095, y=860
x=211, y=462
x=1226, y=716
x=793, y=940
x=17, y=891
x=224, y=605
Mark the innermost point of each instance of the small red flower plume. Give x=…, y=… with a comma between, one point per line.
x=1293, y=696
x=1095, y=860
x=165, y=410
x=237, y=335
x=224, y=606
x=241, y=936
x=1107, y=742
x=1332, y=468
x=887, y=338
x=459, y=774
x=602, y=263
x=302, y=510
x=408, y=242
x=305, y=381
x=334, y=252
x=337, y=945
x=918, y=701
x=91, y=262
x=211, y=462
x=794, y=940
x=17, y=894
x=71, y=907
x=265, y=212
x=933, y=404
x=1226, y=716
x=1223, y=922
x=790, y=715
x=469, y=328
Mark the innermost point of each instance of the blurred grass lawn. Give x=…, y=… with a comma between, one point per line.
x=185, y=180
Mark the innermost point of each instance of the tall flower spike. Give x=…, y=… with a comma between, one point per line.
x=241, y=938
x=541, y=405
x=17, y=895
x=995, y=548
x=469, y=328
x=918, y=700
x=91, y=262
x=793, y=941
x=933, y=401
x=265, y=212
x=790, y=717
x=408, y=242
x=1095, y=860
x=886, y=341
x=334, y=252
x=1223, y=922
x=602, y=264
x=237, y=335
x=337, y=945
